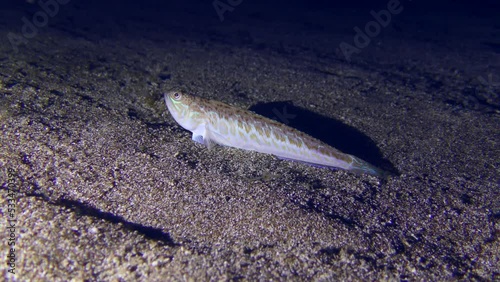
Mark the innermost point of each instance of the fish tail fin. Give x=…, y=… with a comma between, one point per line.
x=360, y=166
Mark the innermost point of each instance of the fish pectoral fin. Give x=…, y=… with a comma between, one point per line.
x=209, y=137
x=209, y=142
x=205, y=140
x=214, y=137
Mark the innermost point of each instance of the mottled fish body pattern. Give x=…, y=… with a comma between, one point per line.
x=213, y=122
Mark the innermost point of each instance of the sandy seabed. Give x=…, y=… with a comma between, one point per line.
x=109, y=187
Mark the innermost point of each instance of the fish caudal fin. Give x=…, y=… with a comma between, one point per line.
x=360, y=166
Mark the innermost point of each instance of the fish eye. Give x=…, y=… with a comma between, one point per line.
x=176, y=96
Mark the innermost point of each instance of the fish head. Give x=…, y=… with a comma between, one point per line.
x=184, y=109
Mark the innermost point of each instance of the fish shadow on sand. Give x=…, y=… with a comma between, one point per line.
x=333, y=132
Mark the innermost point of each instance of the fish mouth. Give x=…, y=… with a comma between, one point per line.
x=171, y=105
x=168, y=101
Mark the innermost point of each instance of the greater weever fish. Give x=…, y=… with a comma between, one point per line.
x=213, y=122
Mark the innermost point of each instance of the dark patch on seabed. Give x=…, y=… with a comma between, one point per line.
x=83, y=209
